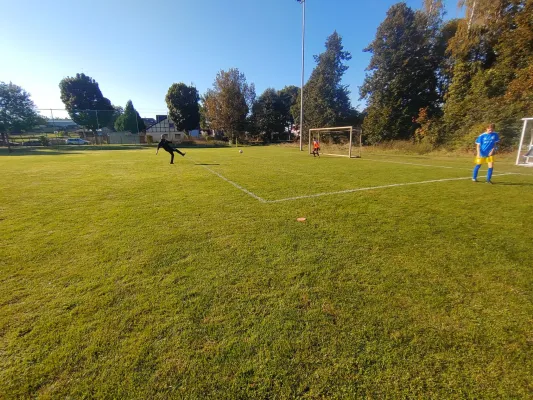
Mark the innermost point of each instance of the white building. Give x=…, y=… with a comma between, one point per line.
x=165, y=127
x=168, y=127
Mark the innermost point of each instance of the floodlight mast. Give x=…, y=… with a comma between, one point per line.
x=302, y=2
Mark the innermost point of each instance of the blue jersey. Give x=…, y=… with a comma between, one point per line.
x=487, y=143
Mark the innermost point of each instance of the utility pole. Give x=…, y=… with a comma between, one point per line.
x=303, y=70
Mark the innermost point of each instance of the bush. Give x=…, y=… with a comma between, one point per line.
x=149, y=139
x=44, y=140
x=467, y=142
x=406, y=146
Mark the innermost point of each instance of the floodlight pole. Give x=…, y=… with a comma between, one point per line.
x=97, y=127
x=303, y=69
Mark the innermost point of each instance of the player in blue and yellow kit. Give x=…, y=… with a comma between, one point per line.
x=485, y=146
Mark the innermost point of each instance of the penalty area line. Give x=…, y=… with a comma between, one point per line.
x=251, y=194
x=372, y=188
x=435, y=166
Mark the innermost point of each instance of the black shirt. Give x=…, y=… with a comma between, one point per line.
x=165, y=144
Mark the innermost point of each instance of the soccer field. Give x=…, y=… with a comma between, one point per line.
x=122, y=276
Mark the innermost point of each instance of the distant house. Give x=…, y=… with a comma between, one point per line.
x=195, y=133
x=148, y=122
x=66, y=125
x=166, y=126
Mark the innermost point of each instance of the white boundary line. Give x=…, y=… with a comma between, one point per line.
x=260, y=199
x=230, y=182
x=236, y=185
x=372, y=188
x=418, y=164
x=410, y=163
x=435, y=166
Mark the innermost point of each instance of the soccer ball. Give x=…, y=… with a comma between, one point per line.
x=240, y=151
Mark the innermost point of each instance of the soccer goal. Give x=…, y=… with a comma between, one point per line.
x=525, y=155
x=342, y=141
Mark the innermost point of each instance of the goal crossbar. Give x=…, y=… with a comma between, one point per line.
x=337, y=128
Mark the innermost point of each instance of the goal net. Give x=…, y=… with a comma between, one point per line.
x=338, y=141
x=525, y=148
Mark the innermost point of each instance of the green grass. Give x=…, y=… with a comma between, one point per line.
x=122, y=276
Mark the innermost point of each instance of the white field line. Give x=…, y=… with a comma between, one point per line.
x=410, y=163
x=231, y=182
x=435, y=166
x=260, y=199
x=236, y=185
x=335, y=155
x=371, y=188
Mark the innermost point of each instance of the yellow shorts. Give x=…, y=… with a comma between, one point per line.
x=481, y=160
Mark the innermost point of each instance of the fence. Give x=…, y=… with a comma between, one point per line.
x=94, y=127
x=33, y=139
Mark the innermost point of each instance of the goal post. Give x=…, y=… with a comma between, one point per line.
x=525, y=158
x=345, y=141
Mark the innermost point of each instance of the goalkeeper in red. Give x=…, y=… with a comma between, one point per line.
x=316, y=148
x=485, y=146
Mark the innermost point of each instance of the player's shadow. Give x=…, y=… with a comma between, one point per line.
x=513, y=183
x=205, y=164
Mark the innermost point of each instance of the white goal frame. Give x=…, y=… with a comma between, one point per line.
x=524, y=159
x=339, y=128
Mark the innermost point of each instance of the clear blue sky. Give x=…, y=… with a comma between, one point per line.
x=136, y=49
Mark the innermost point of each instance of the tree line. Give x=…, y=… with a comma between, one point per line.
x=230, y=106
x=441, y=82
x=429, y=80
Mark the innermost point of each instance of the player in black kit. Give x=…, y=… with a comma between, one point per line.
x=165, y=144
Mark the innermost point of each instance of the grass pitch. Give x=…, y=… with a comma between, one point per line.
x=122, y=276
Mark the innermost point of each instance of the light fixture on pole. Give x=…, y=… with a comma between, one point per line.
x=302, y=2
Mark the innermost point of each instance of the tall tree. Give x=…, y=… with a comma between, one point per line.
x=17, y=111
x=403, y=76
x=118, y=111
x=228, y=103
x=130, y=120
x=183, y=107
x=492, y=54
x=326, y=98
x=268, y=114
x=289, y=97
x=85, y=103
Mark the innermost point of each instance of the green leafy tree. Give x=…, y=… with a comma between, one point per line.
x=130, y=120
x=183, y=106
x=228, y=103
x=492, y=54
x=118, y=111
x=269, y=114
x=17, y=111
x=403, y=73
x=85, y=103
x=204, y=123
x=289, y=96
x=326, y=98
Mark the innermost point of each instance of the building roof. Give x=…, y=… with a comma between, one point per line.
x=60, y=122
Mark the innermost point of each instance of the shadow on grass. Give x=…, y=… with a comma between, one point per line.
x=513, y=184
x=205, y=164
x=57, y=150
